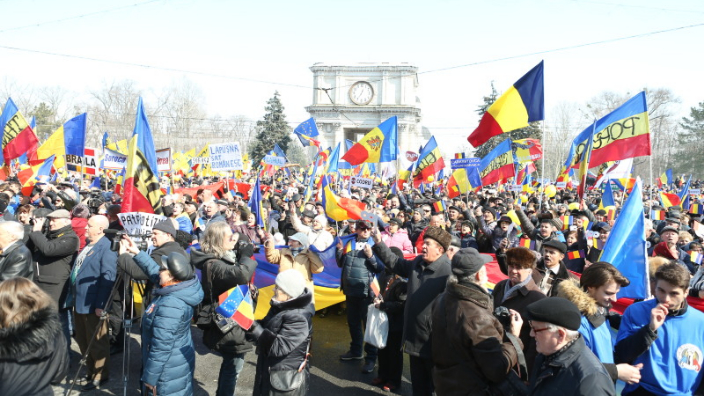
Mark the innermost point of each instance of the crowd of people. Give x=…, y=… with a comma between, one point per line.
x=544, y=330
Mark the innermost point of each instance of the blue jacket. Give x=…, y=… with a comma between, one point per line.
x=168, y=356
x=672, y=356
x=95, y=278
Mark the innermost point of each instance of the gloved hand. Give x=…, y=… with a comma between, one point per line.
x=255, y=331
x=245, y=249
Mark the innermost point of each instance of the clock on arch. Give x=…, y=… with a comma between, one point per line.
x=361, y=93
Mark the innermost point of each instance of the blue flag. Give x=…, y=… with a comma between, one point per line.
x=105, y=139
x=308, y=129
x=626, y=248
x=255, y=204
x=608, y=198
x=684, y=194
x=75, y=135
x=333, y=160
x=96, y=183
x=145, y=143
x=8, y=112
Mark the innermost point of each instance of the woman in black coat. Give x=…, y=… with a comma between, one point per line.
x=33, y=353
x=283, y=338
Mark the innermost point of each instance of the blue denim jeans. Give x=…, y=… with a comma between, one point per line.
x=230, y=369
x=357, y=321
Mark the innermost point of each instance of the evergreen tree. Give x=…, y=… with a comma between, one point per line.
x=688, y=160
x=531, y=131
x=273, y=129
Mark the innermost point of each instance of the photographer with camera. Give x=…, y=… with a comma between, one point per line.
x=472, y=354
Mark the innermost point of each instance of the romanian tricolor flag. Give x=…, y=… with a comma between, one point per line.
x=18, y=137
x=439, y=206
x=567, y=221
x=459, y=155
x=69, y=138
x=527, y=150
x=374, y=286
x=610, y=213
x=695, y=208
x=379, y=145
x=429, y=162
x=669, y=200
x=236, y=304
x=403, y=177
x=37, y=171
x=462, y=181
x=657, y=214
x=586, y=225
x=498, y=164
x=577, y=254
x=696, y=257
x=527, y=243
x=520, y=105
x=623, y=133
x=349, y=246
x=338, y=208
x=666, y=177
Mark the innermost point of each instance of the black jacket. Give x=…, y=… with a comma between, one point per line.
x=357, y=272
x=224, y=274
x=283, y=337
x=16, y=261
x=54, y=254
x=33, y=355
x=425, y=282
x=574, y=370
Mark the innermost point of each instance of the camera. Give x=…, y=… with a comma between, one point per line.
x=504, y=317
x=143, y=244
x=94, y=202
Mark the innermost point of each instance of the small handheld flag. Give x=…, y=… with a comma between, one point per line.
x=439, y=206
x=657, y=214
x=577, y=254
x=236, y=304
x=374, y=286
x=696, y=257
x=527, y=243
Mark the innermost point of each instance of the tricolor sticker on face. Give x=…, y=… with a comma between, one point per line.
x=689, y=357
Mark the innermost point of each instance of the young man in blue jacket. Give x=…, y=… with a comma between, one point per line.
x=666, y=336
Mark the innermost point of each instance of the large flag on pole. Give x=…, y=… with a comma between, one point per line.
x=145, y=143
x=18, y=138
x=338, y=208
x=142, y=192
x=75, y=135
x=520, y=105
x=306, y=131
x=584, y=165
x=429, y=162
x=498, y=164
x=462, y=181
x=626, y=247
x=379, y=145
x=255, y=204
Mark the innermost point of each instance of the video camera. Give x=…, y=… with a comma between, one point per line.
x=115, y=243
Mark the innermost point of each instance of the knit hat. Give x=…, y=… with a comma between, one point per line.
x=439, y=235
x=468, y=261
x=322, y=220
x=555, y=310
x=291, y=282
x=166, y=226
x=301, y=238
x=520, y=257
x=490, y=210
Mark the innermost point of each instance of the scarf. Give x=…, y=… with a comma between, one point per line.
x=508, y=293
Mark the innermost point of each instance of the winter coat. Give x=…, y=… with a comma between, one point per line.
x=16, y=261
x=250, y=232
x=547, y=281
x=533, y=232
x=184, y=222
x=305, y=262
x=518, y=301
x=126, y=263
x=79, y=227
x=358, y=272
x=33, y=355
x=168, y=355
x=425, y=282
x=572, y=371
x=399, y=240
x=95, y=278
x=54, y=254
x=202, y=223
x=468, y=241
x=225, y=274
x=468, y=342
x=415, y=228
x=394, y=303
x=283, y=337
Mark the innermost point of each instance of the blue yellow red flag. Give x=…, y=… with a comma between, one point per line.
x=338, y=208
x=429, y=162
x=498, y=164
x=379, y=145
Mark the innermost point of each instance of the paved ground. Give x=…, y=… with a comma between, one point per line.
x=329, y=376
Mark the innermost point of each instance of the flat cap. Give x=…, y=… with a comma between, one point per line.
x=468, y=261
x=556, y=310
x=59, y=214
x=555, y=244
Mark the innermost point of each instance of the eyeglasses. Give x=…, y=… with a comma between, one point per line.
x=536, y=331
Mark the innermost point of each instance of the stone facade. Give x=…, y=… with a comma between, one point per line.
x=350, y=100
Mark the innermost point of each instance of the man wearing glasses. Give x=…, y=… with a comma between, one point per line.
x=564, y=366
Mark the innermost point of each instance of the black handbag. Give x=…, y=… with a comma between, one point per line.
x=206, y=316
x=289, y=380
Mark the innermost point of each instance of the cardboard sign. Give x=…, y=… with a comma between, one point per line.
x=88, y=164
x=460, y=163
x=114, y=160
x=515, y=187
x=694, y=191
x=163, y=160
x=200, y=161
x=561, y=184
x=274, y=160
x=361, y=182
x=225, y=157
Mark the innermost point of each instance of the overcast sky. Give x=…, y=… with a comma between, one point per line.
x=241, y=52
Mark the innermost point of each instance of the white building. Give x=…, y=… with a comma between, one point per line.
x=350, y=100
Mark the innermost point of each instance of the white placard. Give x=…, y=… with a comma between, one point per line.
x=163, y=160
x=274, y=160
x=561, y=184
x=361, y=182
x=694, y=191
x=114, y=160
x=225, y=157
x=200, y=160
x=139, y=223
x=88, y=163
x=515, y=187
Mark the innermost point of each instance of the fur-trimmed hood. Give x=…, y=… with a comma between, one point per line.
x=571, y=290
x=32, y=339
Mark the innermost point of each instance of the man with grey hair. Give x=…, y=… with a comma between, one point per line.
x=564, y=364
x=15, y=259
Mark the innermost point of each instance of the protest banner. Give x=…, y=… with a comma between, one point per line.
x=163, y=160
x=88, y=164
x=114, y=160
x=459, y=163
x=362, y=182
x=274, y=160
x=225, y=157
